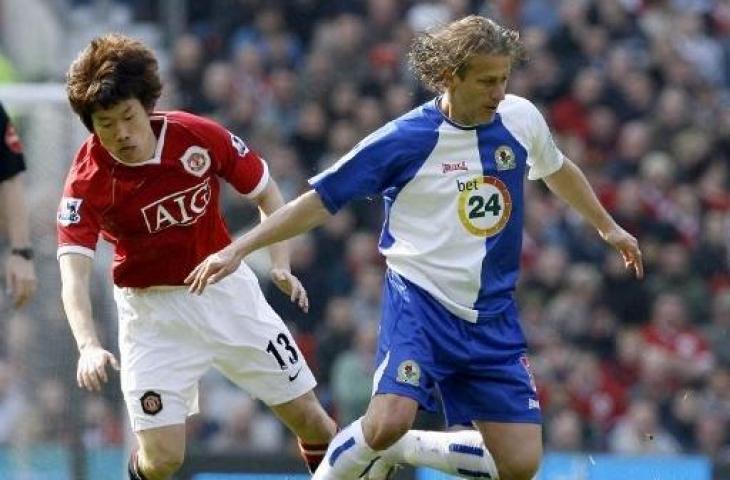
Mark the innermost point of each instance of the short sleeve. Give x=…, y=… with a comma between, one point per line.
x=11, y=149
x=234, y=161
x=78, y=221
x=544, y=157
x=366, y=170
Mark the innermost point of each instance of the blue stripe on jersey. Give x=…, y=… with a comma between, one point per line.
x=501, y=263
x=384, y=161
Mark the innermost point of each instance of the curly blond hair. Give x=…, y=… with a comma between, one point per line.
x=445, y=51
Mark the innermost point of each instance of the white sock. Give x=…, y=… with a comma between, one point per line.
x=348, y=455
x=457, y=453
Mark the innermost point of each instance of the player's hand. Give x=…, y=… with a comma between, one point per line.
x=212, y=270
x=290, y=285
x=628, y=247
x=20, y=279
x=91, y=372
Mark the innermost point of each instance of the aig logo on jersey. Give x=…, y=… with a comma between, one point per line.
x=68, y=211
x=504, y=157
x=196, y=160
x=180, y=208
x=409, y=372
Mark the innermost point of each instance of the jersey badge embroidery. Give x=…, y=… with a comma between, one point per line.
x=196, y=160
x=68, y=211
x=409, y=372
x=151, y=402
x=454, y=167
x=239, y=144
x=504, y=157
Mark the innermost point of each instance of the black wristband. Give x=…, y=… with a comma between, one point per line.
x=26, y=252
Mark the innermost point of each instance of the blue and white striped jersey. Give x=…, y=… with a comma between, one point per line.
x=453, y=198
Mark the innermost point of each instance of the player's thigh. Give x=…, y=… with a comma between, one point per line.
x=162, y=357
x=163, y=445
x=388, y=417
x=515, y=447
x=250, y=343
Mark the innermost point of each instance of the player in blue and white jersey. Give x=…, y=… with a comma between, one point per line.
x=451, y=173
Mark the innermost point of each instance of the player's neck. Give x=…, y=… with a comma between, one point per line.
x=452, y=112
x=460, y=115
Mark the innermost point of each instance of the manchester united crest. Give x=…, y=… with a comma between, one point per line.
x=409, y=372
x=196, y=160
x=151, y=402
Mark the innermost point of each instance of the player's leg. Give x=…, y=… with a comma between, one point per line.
x=516, y=448
x=256, y=351
x=496, y=392
x=159, y=454
x=159, y=376
x=403, y=381
x=355, y=449
x=457, y=453
x=307, y=419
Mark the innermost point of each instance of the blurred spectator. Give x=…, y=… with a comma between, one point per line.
x=352, y=375
x=335, y=336
x=670, y=332
x=718, y=330
x=564, y=432
x=13, y=404
x=639, y=432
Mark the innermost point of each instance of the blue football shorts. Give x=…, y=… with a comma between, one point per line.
x=480, y=369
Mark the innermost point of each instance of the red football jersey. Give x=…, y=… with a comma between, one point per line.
x=163, y=215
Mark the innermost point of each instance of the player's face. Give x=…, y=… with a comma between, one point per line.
x=125, y=131
x=474, y=98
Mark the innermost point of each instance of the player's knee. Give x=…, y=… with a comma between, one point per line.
x=382, y=427
x=161, y=464
x=517, y=469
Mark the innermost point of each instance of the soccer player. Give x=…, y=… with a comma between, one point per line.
x=149, y=182
x=20, y=279
x=451, y=173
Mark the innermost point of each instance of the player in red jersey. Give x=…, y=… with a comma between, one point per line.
x=148, y=182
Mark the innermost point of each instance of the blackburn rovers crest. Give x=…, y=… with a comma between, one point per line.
x=504, y=157
x=409, y=372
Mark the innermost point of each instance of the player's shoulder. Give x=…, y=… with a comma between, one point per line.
x=414, y=128
x=177, y=119
x=89, y=170
x=514, y=105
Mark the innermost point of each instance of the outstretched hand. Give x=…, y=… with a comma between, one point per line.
x=213, y=269
x=628, y=247
x=290, y=285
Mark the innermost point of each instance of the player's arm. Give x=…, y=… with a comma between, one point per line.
x=569, y=183
x=269, y=201
x=93, y=359
x=19, y=271
x=296, y=217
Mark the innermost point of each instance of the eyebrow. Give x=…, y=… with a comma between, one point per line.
x=124, y=112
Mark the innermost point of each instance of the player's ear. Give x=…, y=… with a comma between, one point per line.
x=447, y=79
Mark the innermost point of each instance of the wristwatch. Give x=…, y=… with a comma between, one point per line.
x=25, y=252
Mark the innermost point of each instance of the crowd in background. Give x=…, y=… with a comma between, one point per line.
x=636, y=92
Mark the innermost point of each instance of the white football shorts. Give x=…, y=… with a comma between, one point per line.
x=168, y=338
